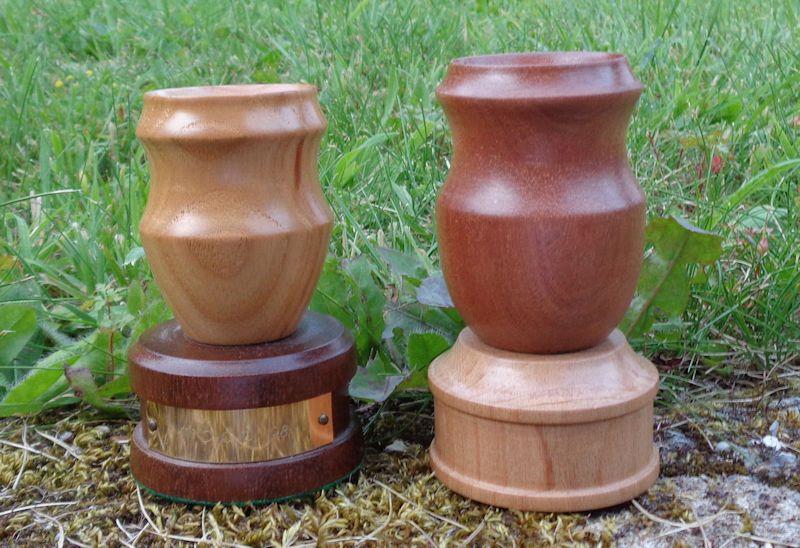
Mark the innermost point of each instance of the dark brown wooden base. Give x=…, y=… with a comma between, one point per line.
x=247, y=423
x=250, y=482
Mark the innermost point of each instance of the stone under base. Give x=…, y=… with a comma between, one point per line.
x=550, y=433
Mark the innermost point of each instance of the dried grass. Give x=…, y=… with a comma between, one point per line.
x=65, y=480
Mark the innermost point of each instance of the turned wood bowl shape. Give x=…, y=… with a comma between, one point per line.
x=236, y=228
x=540, y=221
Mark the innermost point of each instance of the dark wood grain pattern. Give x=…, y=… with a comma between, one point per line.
x=236, y=228
x=240, y=423
x=541, y=221
x=167, y=367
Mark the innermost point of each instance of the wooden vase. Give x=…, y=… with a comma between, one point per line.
x=244, y=398
x=540, y=221
x=541, y=404
x=236, y=228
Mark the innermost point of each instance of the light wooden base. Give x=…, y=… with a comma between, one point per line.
x=550, y=433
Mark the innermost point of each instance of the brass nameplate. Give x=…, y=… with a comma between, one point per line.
x=238, y=435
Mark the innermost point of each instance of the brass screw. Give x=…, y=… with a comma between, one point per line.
x=152, y=425
x=323, y=419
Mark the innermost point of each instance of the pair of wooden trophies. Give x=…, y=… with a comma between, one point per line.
x=539, y=405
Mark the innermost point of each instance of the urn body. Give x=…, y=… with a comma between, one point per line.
x=540, y=221
x=236, y=228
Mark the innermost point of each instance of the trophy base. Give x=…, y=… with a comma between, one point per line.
x=246, y=423
x=549, y=433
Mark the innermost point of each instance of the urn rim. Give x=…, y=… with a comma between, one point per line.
x=229, y=92
x=538, y=76
x=230, y=113
x=540, y=59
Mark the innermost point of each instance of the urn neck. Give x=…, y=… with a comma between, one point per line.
x=200, y=139
x=529, y=109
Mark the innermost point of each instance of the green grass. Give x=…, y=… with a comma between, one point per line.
x=722, y=80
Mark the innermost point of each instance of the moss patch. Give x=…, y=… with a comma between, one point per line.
x=79, y=488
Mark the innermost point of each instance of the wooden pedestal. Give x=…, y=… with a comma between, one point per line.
x=550, y=433
x=248, y=423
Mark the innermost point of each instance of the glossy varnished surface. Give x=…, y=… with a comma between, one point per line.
x=248, y=481
x=242, y=423
x=236, y=228
x=167, y=367
x=540, y=222
x=602, y=382
x=550, y=433
x=239, y=435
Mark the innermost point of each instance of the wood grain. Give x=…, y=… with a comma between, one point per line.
x=236, y=228
x=541, y=221
x=169, y=368
x=552, y=433
x=238, y=435
x=241, y=423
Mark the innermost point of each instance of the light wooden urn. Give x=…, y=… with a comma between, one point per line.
x=244, y=398
x=236, y=228
x=541, y=404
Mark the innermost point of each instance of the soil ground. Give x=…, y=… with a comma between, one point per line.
x=730, y=477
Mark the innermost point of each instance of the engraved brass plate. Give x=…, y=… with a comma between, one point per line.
x=239, y=435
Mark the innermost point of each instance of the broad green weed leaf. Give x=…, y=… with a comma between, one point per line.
x=422, y=348
x=371, y=300
x=350, y=294
x=17, y=326
x=757, y=182
x=133, y=256
x=445, y=321
x=402, y=264
x=761, y=217
x=44, y=381
x=334, y=293
x=94, y=363
x=83, y=385
x=374, y=382
x=726, y=110
x=118, y=387
x=433, y=292
x=135, y=298
x=664, y=284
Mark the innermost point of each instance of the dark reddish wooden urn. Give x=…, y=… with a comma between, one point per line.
x=541, y=404
x=541, y=221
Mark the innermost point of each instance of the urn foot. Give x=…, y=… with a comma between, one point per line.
x=550, y=433
x=244, y=424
